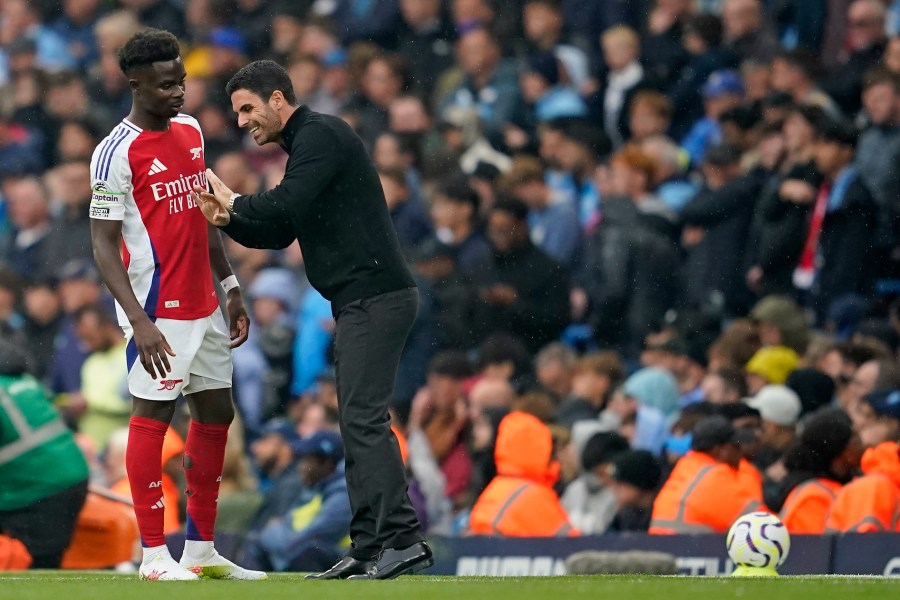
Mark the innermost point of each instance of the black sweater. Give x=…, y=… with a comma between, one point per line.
x=331, y=201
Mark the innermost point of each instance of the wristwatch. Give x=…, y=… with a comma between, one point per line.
x=231, y=201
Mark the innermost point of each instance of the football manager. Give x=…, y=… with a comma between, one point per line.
x=331, y=201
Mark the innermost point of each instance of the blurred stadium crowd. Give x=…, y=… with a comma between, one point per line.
x=656, y=245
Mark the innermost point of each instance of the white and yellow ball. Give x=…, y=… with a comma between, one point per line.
x=758, y=543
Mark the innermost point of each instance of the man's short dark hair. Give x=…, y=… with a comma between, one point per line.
x=395, y=174
x=802, y=59
x=263, y=78
x=513, y=207
x=839, y=132
x=147, y=47
x=880, y=75
x=707, y=27
x=455, y=187
x=711, y=432
x=451, y=363
x=601, y=448
x=745, y=117
x=103, y=314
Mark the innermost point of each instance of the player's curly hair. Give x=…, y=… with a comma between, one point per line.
x=147, y=47
x=263, y=78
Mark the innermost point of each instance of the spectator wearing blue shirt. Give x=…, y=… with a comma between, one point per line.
x=312, y=534
x=454, y=210
x=542, y=88
x=315, y=331
x=407, y=214
x=375, y=21
x=23, y=17
x=553, y=223
x=20, y=150
x=722, y=91
x=264, y=386
x=76, y=28
x=580, y=150
x=673, y=186
x=489, y=83
x=79, y=286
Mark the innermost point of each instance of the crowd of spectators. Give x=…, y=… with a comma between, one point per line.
x=653, y=240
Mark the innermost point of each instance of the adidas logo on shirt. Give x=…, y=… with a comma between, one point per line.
x=159, y=504
x=157, y=167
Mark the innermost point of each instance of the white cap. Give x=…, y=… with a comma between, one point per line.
x=778, y=404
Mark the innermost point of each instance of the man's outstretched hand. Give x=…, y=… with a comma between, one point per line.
x=214, y=206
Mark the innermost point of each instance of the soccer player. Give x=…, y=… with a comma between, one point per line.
x=157, y=256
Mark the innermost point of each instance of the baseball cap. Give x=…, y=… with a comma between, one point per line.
x=721, y=83
x=229, y=38
x=638, y=468
x=885, y=403
x=778, y=404
x=78, y=268
x=321, y=443
x=337, y=57
x=282, y=427
x=430, y=249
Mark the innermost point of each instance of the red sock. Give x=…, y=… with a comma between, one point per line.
x=143, y=462
x=204, y=454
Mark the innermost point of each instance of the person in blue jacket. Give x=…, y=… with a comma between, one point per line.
x=313, y=533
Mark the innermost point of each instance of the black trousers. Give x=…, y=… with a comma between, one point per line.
x=369, y=337
x=46, y=527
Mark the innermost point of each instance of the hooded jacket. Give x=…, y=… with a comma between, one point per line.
x=870, y=503
x=520, y=500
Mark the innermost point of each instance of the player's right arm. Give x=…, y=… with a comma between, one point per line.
x=151, y=345
x=110, y=185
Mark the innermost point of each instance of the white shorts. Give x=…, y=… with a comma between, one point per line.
x=202, y=359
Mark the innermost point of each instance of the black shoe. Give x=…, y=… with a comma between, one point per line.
x=344, y=569
x=392, y=563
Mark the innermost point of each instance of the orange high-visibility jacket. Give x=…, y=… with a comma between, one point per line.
x=105, y=535
x=870, y=503
x=703, y=495
x=401, y=441
x=520, y=501
x=14, y=556
x=806, y=508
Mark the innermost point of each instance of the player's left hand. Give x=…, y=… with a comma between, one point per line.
x=238, y=321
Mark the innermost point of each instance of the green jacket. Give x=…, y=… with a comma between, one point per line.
x=38, y=454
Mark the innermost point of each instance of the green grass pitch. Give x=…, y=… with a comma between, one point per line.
x=73, y=585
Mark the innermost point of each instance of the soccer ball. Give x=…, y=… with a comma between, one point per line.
x=758, y=542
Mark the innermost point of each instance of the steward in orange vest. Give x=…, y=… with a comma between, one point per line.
x=520, y=500
x=870, y=503
x=707, y=489
x=823, y=459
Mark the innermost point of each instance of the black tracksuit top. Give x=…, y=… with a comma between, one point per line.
x=331, y=201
